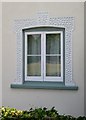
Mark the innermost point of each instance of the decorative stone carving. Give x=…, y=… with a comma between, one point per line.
x=43, y=19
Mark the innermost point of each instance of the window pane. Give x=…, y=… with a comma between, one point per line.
x=33, y=66
x=53, y=66
x=53, y=43
x=34, y=44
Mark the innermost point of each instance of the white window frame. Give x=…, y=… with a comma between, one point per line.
x=54, y=79
x=43, y=76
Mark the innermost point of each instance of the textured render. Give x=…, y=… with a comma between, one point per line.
x=43, y=19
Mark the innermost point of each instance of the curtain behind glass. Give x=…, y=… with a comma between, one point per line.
x=34, y=44
x=34, y=55
x=53, y=55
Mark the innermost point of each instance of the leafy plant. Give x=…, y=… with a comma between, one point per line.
x=7, y=113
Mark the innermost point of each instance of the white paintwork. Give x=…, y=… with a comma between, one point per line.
x=43, y=76
x=55, y=79
x=32, y=78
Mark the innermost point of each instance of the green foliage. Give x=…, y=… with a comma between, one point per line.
x=7, y=113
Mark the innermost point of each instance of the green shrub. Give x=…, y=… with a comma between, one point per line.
x=7, y=113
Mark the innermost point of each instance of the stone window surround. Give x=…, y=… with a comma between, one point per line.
x=42, y=19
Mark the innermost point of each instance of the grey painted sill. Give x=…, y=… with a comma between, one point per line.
x=44, y=85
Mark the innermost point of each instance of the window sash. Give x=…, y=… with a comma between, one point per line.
x=53, y=78
x=43, y=55
x=33, y=78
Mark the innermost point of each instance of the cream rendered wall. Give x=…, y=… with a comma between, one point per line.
x=0, y=54
x=65, y=101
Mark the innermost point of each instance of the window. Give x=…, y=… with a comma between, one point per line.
x=44, y=56
x=44, y=52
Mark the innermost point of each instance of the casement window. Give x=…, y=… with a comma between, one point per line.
x=44, y=53
x=44, y=56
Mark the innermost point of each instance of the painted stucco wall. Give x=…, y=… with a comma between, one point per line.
x=65, y=101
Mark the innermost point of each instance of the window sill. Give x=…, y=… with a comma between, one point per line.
x=44, y=85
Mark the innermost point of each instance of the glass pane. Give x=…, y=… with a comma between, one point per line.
x=34, y=44
x=53, y=66
x=53, y=43
x=33, y=66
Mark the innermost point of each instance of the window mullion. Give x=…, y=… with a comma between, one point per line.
x=62, y=55
x=42, y=56
x=25, y=55
x=44, y=34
